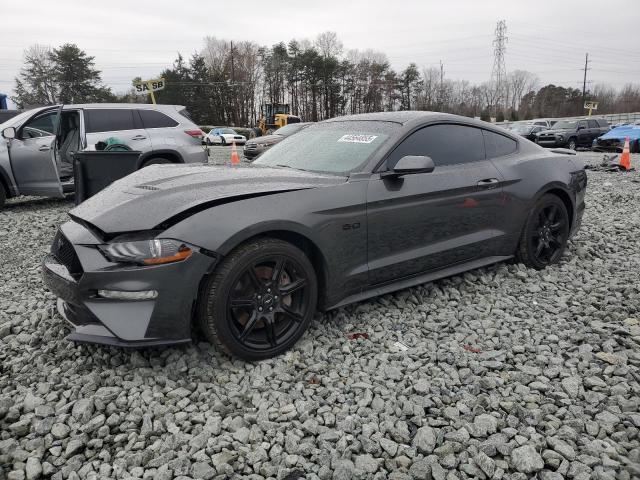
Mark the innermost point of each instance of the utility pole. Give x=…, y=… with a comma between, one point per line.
x=499, y=71
x=233, y=86
x=441, y=99
x=584, y=82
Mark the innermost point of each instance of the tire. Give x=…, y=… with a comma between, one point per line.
x=248, y=272
x=545, y=233
x=208, y=141
x=3, y=195
x=572, y=144
x=155, y=161
x=223, y=141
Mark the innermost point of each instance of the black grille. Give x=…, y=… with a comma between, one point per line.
x=65, y=254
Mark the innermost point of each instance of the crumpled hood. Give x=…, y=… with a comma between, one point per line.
x=155, y=194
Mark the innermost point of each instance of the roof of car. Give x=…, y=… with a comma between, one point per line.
x=125, y=105
x=401, y=117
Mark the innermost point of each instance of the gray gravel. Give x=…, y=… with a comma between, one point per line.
x=509, y=373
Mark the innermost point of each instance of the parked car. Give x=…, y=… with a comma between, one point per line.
x=224, y=136
x=347, y=209
x=573, y=133
x=7, y=114
x=614, y=140
x=258, y=145
x=36, y=147
x=543, y=122
x=528, y=130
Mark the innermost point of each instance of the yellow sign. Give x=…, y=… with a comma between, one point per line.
x=149, y=86
x=591, y=106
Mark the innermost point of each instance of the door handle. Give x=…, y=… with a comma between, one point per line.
x=44, y=148
x=138, y=137
x=488, y=183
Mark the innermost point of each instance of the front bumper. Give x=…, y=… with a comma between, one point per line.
x=163, y=320
x=551, y=142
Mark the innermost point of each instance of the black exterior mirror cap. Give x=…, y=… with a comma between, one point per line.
x=9, y=132
x=411, y=164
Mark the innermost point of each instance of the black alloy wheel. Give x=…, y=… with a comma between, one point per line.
x=546, y=233
x=260, y=300
x=572, y=144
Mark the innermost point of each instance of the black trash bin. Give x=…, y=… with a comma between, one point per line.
x=95, y=170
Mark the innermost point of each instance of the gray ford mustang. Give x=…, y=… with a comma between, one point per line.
x=350, y=208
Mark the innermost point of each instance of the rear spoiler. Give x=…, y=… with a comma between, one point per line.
x=564, y=151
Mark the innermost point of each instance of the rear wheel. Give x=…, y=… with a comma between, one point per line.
x=260, y=300
x=545, y=233
x=3, y=195
x=155, y=161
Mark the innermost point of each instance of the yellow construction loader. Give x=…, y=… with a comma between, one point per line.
x=274, y=116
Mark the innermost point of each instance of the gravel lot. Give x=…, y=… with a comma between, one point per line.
x=509, y=373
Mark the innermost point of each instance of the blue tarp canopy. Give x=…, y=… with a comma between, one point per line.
x=622, y=132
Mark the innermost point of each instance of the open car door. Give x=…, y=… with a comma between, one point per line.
x=33, y=154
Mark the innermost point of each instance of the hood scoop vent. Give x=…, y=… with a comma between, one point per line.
x=147, y=187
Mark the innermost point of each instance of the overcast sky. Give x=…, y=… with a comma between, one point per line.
x=139, y=38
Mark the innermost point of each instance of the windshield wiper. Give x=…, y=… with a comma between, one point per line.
x=289, y=166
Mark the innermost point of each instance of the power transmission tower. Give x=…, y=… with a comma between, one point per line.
x=499, y=71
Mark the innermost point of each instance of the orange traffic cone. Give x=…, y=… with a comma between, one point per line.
x=235, y=158
x=625, y=158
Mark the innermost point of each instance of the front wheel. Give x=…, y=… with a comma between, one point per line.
x=260, y=300
x=223, y=141
x=572, y=144
x=545, y=234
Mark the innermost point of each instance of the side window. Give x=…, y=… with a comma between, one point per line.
x=582, y=124
x=41, y=126
x=445, y=144
x=155, y=119
x=498, y=145
x=603, y=123
x=592, y=123
x=109, y=120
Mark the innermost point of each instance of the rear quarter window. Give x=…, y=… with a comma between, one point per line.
x=603, y=123
x=155, y=119
x=109, y=120
x=498, y=145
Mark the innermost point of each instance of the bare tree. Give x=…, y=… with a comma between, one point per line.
x=520, y=82
x=36, y=84
x=328, y=44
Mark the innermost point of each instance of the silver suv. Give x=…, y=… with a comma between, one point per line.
x=36, y=146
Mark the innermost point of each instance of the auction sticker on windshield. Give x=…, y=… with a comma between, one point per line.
x=354, y=138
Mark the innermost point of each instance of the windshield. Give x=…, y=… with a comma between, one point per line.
x=289, y=129
x=228, y=130
x=334, y=147
x=565, y=125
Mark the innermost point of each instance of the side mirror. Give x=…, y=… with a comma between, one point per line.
x=9, y=133
x=410, y=164
x=581, y=127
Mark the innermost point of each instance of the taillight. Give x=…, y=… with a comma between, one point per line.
x=197, y=133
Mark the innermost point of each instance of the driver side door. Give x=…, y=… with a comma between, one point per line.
x=33, y=155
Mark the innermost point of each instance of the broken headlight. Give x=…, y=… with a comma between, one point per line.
x=147, y=252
